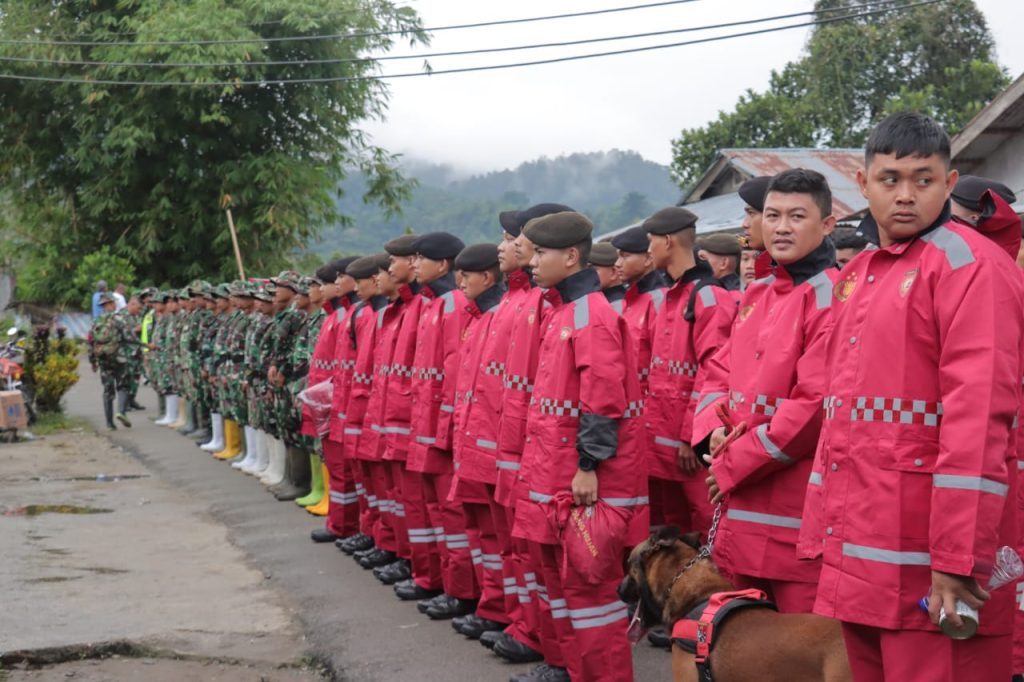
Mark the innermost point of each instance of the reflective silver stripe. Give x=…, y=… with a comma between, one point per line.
x=887, y=556
x=815, y=478
x=539, y=497
x=979, y=483
x=707, y=297
x=598, y=616
x=559, y=608
x=425, y=440
x=763, y=519
x=421, y=531
x=958, y=253
x=1020, y=465
x=626, y=501
x=511, y=466
x=376, y=428
x=597, y=610
x=449, y=301
x=422, y=540
x=657, y=297
x=342, y=415
x=352, y=431
x=487, y=444
x=400, y=430
x=581, y=312
x=707, y=400
x=661, y=440
x=447, y=408
x=601, y=621
x=822, y=290
x=617, y=305
x=772, y=448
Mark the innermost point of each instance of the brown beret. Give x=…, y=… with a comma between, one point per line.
x=559, y=230
x=603, y=253
x=401, y=246
x=670, y=220
x=477, y=258
x=720, y=244
x=362, y=268
x=383, y=260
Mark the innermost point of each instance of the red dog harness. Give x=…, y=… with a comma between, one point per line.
x=695, y=632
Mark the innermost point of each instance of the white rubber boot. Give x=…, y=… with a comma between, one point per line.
x=250, y=450
x=216, y=443
x=259, y=466
x=182, y=412
x=172, y=411
x=275, y=470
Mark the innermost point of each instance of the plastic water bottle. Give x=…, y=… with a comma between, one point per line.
x=1008, y=567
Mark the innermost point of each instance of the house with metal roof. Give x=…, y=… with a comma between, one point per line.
x=718, y=206
x=992, y=143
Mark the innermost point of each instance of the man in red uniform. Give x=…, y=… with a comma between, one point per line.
x=338, y=295
x=442, y=319
x=984, y=204
x=770, y=377
x=693, y=323
x=582, y=455
x=515, y=350
x=916, y=454
x=645, y=293
x=602, y=259
x=477, y=402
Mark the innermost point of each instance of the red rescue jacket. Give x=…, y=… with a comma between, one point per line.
x=322, y=364
x=375, y=431
x=363, y=326
x=398, y=407
x=642, y=302
x=344, y=363
x=916, y=455
x=771, y=376
x=586, y=403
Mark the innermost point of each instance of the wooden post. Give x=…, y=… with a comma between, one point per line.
x=234, y=242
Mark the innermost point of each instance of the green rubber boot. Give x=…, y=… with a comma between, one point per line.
x=317, y=493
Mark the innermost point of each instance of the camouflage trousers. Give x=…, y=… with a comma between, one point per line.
x=115, y=377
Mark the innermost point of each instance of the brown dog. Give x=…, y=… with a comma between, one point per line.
x=753, y=644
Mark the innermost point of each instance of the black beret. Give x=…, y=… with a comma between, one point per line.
x=970, y=188
x=438, y=245
x=326, y=273
x=536, y=211
x=559, y=230
x=720, y=244
x=402, y=246
x=341, y=265
x=604, y=254
x=670, y=220
x=633, y=240
x=383, y=260
x=752, y=191
x=477, y=258
x=509, y=223
x=362, y=268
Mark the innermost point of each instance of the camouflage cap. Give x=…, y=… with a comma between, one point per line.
x=307, y=282
x=289, y=279
x=106, y=298
x=263, y=294
x=221, y=291
x=183, y=294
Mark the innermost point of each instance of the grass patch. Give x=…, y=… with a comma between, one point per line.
x=50, y=423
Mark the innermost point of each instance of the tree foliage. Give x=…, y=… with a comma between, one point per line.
x=938, y=59
x=147, y=171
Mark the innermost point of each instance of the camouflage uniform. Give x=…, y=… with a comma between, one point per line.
x=278, y=345
x=135, y=357
x=253, y=372
x=111, y=344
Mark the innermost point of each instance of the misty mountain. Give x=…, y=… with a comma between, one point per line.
x=613, y=188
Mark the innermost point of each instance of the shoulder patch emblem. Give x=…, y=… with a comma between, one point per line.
x=908, y=281
x=745, y=312
x=566, y=333
x=844, y=288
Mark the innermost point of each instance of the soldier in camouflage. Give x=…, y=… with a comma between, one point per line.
x=111, y=344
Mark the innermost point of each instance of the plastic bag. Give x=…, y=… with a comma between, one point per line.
x=593, y=538
x=318, y=399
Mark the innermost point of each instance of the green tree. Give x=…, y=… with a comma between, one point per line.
x=148, y=170
x=939, y=59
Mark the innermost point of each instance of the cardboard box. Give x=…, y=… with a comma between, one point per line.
x=12, y=410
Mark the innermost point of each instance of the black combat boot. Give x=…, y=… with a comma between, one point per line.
x=122, y=409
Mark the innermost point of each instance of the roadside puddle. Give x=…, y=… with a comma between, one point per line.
x=37, y=509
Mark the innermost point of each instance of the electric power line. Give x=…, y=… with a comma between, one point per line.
x=468, y=69
x=894, y=4
x=334, y=36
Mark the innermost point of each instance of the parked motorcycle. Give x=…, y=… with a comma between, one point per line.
x=11, y=358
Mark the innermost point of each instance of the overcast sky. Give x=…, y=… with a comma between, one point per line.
x=498, y=119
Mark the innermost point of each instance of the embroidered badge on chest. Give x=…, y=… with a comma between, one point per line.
x=908, y=281
x=745, y=312
x=844, y=288
x=566, y=333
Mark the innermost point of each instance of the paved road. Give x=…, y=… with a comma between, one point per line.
x=350, y=621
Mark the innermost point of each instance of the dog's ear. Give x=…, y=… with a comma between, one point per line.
x=665, y=536
x=692, y=538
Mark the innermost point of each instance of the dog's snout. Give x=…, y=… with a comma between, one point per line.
x=627, y=590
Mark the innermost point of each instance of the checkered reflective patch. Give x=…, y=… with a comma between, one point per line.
x=362, y=378
x=348, y=364
x=896, y=411
x=735, y=398
x=401, y=371
x=687, y=368
x=634, y=409
x=829, y=405
x=766, y=405
x=494, y=368
x=559, y=408
x=514, y=382
x=430, y=374
x=644, y=373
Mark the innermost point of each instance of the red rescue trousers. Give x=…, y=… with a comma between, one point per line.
x=878, y=655
x=343, y=497
x=378, y=478
x=423, y=535
x=683, y=504
x=485, y=551
x=457, y=576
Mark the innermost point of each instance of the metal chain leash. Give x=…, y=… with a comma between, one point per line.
x=705, y=550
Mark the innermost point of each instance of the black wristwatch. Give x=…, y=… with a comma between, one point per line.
x=587, y=463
